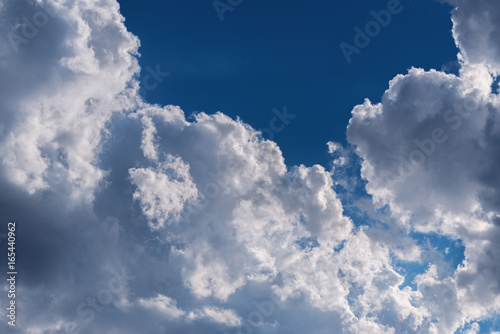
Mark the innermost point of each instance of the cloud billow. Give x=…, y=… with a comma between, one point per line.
x=200, y=223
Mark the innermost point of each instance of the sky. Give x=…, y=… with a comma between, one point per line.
x=275, y=54
x=236, y=167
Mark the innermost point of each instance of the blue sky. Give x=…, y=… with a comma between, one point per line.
x=233, y=166
x=285, y=53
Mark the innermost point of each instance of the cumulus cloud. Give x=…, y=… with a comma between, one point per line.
x=218, y=315
x=163, y=191
x=195, y=191
x=164, y=305
x=475, y=29
x=429, y=151
x=63, y=76
x=199, y=226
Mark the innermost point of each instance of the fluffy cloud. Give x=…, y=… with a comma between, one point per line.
x=199, y=226
x=218, y=315
x=430, y=152
x=200, y=190
x=475, y=29
x=248, y=205
x=164, y=191
x=164, y=305
x=66, y=67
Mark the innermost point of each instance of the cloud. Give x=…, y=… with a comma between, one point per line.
x=65, y=70
x=184, y=194
x=429, y=151
x=476, y=33
x=218, y=315
x=164, y=191
x=139, y=220
x=164, y=305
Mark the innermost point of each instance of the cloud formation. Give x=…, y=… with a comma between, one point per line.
x=430, y=152
x=140, y=220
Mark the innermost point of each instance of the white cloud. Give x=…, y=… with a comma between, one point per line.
x=476, y=31
x=218, y=315
x=148, y=144
x=164, y=305
x=279, y=226
x=429, y=151
x=60, y=90
x=164, y=190
x=220, y=216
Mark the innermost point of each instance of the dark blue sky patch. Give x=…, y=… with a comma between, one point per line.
x=267, y=55
x=495, y=87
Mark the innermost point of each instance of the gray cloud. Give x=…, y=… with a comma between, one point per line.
x=133, y=219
